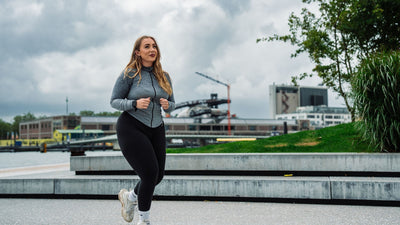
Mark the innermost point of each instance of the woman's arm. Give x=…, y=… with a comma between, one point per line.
x=120, y=92
x=171, y=99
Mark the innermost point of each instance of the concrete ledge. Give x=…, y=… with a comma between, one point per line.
x=349, y=162
x=365, y=188
x=322, y=188
x=29, y=186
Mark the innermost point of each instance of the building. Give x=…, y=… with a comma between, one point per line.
x=319, y=116
x=250, y=127
x=286, y=99
x=76, y=134
x=51, y=127
x=104, y=123
x=44, y=128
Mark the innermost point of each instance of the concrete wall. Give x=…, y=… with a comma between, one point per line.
x=322, y=188
x=349, y=162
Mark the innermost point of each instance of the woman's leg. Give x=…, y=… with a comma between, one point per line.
x=159, y=145
x=137, y=148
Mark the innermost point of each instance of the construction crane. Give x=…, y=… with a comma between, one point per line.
x=229, y=100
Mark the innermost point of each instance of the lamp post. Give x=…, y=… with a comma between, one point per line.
x=66, y=101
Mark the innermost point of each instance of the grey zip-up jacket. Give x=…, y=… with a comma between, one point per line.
x=127, y=90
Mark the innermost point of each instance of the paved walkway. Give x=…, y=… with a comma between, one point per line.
x=87, y=212
x=7, y=172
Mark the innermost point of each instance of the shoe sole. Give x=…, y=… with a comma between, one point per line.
x=120, y=198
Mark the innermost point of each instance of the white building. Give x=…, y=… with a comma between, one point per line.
x=319, y=116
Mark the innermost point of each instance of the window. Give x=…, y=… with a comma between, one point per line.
x=310, y=116
x=205, y=128
x=217, y=128
x=192, y=127
x=232, y=127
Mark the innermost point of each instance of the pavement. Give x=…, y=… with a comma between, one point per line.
x=86, y=212
x=34, y=211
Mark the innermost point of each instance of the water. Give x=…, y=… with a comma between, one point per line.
x=26, y=159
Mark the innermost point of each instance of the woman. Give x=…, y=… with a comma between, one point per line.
x=141, y=90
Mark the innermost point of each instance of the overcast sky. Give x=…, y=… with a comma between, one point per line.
x=58, y=48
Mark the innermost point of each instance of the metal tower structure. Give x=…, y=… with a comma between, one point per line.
x=229, y=100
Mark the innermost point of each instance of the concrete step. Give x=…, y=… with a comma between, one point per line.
x=312, y=162
x=264, y=187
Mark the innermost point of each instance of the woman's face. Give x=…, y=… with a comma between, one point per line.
x=148, y=52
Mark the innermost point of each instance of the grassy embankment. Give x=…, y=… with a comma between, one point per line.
x=340, y=138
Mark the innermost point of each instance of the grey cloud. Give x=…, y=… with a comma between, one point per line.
x=79, y=47
x=233, y=7
x=65, y=26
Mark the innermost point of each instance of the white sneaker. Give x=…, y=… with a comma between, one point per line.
x=146, y=222
x=128, y=207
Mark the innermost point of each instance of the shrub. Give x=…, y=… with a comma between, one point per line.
x=376, y=90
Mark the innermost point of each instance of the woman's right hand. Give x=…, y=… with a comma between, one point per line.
x=143, y=103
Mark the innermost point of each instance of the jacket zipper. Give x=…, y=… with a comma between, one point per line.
x=155, y=94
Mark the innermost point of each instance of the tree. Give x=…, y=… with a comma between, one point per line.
x=86, y=113
x=18, y=119
x=340, y=36
x=5, y=128
x=116, y=113
x=374, y=25
x=91, y=113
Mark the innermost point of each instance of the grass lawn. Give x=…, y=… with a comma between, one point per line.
x=340, y=138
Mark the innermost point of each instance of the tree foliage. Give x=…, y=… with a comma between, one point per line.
x=86, y=113
x=339, y=36
x=116, y=113
x=5, y=129
x=21, y=118
x=91, y=113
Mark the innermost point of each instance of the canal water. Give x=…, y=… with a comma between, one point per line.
x=26, y=159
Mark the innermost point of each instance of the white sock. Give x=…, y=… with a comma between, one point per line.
x=132, y=196
x=144, y=215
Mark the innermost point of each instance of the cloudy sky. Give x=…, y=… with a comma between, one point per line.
x=55, y=49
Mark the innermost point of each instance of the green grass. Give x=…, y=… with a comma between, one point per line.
x=340, y=138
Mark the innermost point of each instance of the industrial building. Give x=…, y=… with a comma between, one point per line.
x=284, y=99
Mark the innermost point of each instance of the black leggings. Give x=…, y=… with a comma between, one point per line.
x=144, y=149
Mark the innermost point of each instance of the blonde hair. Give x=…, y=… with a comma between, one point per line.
x=135, y=63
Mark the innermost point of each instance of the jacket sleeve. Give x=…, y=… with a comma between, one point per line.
x=171, y=99
x=120, y=92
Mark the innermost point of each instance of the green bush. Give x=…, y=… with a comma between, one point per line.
x=376, y=90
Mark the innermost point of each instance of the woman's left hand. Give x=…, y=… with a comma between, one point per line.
x=164, y=103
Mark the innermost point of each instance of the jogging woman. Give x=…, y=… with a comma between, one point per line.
x=141, y=91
